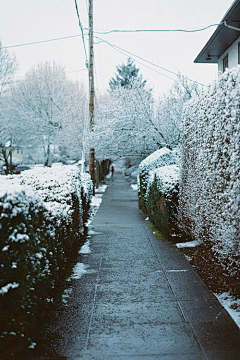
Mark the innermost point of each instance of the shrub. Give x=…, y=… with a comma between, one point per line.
x=162, y=199
x=209, y=195
x=159, y=158
x=42, y=216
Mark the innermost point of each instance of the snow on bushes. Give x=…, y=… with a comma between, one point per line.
x=158, y=189
x=42, y=214
x=209, y=194
x=157, y=159
x=162, y=199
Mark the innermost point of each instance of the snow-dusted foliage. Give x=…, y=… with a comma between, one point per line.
x=42, y=215
x=167, y=178
x=169, y=112
x=162, y=199
x=159, y=158
x=123, y=124
x=44, y=109
x=209, y=187
x=158, y=189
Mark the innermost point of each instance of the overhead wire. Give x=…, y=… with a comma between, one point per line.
x=155, y=30
x=108, y=32
x=40, y=42
x=81, y=27
x=123, y=51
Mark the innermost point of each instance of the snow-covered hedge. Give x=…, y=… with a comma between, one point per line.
x=159, y=158
x=42, y=215
x=162, y=199
x=209, y=187
x=158, y=189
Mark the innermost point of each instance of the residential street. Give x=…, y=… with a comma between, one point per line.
x=139, y=299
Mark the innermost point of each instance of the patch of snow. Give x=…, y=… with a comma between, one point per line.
x=66, y=294
x=188, y=244
x=32, y=346
x=231, y=304
x=102, y=188
x=96, y=201
x=5, y=288
x=79, y=270
x=176, y=271
x=85, y=249
x=134, y=187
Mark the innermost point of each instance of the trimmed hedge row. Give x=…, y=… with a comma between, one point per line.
x=162, y=200
x=161, y=157
x=209, y=185
x=158, y=190
x=40, y=227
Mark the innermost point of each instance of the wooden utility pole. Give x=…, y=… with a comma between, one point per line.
x=90, y=66
x=91, y=91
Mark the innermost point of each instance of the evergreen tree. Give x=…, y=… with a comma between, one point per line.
x=126, y=76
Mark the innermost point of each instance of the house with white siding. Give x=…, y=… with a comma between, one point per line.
x=223, y=47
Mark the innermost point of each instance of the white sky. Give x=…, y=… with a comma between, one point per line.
x=23, y=21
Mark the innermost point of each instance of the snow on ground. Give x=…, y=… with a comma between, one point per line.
x=102, y=188
x=96, y=202
x=189, y=244
x=134, y=187
x=79, y=270
x=85, y=249
x=232, y=306
x=5, y=288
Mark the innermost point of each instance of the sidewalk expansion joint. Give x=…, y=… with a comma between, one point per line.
x=93, y=306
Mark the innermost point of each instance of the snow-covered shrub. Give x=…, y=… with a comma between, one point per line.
x=161, y=157
x=132, y=173
x=209, y=193
x=41, y=221
x=162, y=199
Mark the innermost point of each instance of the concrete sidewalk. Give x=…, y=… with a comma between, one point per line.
x=140, y=298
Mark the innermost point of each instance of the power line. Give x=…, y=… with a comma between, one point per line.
x=78, y=70
x=155, y=30
x=40, y=42
x=108, y=32
x=123, y=51
x=81, y=27
x=139, y=62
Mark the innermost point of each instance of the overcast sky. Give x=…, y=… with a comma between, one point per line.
x=23, y=21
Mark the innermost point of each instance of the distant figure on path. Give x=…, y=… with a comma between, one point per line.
x=112, y=169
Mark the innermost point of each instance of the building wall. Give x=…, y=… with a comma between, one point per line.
x=232, y=53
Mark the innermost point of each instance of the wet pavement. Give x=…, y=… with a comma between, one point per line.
x=139, y=299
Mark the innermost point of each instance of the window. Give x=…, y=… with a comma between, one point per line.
x=225, y=63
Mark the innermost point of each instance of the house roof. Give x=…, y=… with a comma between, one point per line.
x=223, y=37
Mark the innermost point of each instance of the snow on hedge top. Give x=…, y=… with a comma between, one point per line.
x=159, y=158
x=53, y=186
x=15, y=199
x=167, y=177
